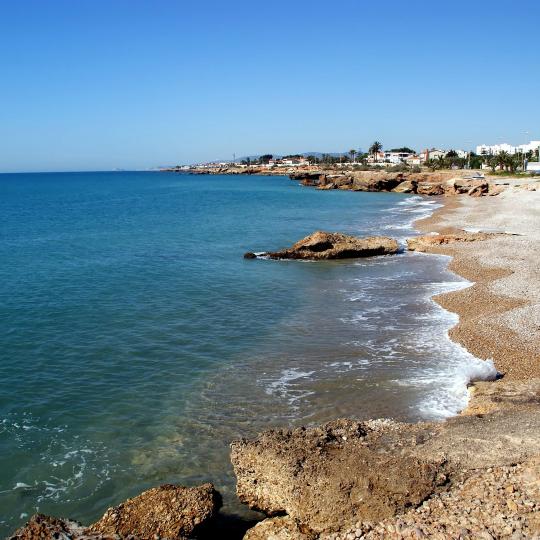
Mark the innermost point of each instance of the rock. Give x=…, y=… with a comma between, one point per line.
x=495, y=190
x=327, y=186
x=307, y=178
x=167, y=511
x=46, y=527
x=478, y=190
x=430, y=241
x=250, y=255
x=408, y=186
x=427, y=188
x=279, y=528
x=376, y=182
x=324, y=245
x=328, y=477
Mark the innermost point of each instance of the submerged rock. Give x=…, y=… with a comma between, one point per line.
x=167, y=511
x=324, y=245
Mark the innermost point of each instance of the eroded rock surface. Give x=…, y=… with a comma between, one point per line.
x=428, y=242
x=41, y=526
x=327, y=476
x=324, y=245
x=356, y=477
x=167, y=511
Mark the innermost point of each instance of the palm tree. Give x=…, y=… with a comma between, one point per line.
x=502, y=160
x=352, y=153
x=375, y=148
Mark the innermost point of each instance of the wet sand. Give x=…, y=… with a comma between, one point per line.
x=500, y=313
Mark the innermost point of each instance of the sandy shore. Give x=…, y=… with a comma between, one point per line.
x=500, y=313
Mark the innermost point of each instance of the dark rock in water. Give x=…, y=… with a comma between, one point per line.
x=307, y=178
x=324, y=245
x=250, y=255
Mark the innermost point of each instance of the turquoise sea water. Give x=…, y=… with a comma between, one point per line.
x=136, y=342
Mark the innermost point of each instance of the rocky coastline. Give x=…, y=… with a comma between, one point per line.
x=474, y=476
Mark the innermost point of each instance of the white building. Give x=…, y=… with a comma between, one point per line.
x=495, y=149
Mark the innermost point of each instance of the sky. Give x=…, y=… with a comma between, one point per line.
x=104, y=84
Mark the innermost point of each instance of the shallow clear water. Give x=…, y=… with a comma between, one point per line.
x=136, y=342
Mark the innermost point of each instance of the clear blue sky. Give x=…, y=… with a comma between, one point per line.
x=99, y=84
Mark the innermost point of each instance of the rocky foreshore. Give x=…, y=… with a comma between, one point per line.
x=475, y=476
x=425, y=182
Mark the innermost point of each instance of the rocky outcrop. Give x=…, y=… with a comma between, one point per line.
x=353, y=478
x=408, y=186
x=428, y=242
x=430, y=188
x=324, y=245
x=40, y=526
x=324, y=478
x=307, y=178
x=377, y=182
x=500, y=502
x=167, y=511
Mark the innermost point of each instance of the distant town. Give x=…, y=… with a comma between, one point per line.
x=497, y=157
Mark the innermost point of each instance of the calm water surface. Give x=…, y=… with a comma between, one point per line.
x=136, y=342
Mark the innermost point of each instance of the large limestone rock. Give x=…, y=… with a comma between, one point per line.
x=407, y=186
x=324, y=245
x=325, y=477
x=430, y=188
x=167, y=511
x=331, y=478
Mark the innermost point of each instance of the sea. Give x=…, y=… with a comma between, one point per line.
x=136, y=342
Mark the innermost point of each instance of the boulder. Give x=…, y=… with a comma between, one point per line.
x=307, y=178
x=408, y=186
x=324, y=245
x=250, y=255
x=168, y=511
x=40, y=526
x=430, y=241
x=429, y=188
x=478, y=190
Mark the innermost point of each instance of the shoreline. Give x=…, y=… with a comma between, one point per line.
x=386, y=479
x=480, y=308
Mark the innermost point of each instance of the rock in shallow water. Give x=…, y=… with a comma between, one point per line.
x=167, y=511
x=325, y=245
